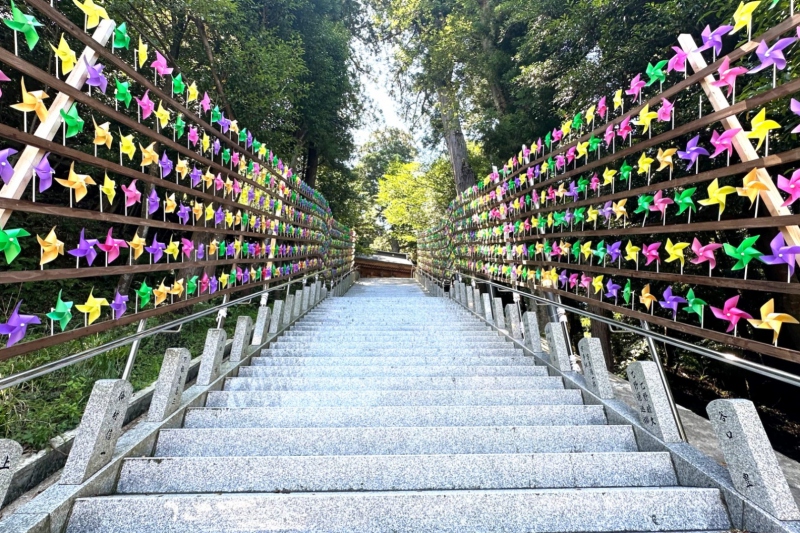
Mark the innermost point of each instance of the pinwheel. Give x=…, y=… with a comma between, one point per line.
x=204, y=283
x=585, y=282
x=183, y=214
x=216, y=115
x=191, y=285
x=591, y=214
x=608, y=136
x=645, y=118
x=602, y=108
x=143, y=294
x=664, y=113
x=790, y=186
x=92, y=307
x=586, y=250
x=6, y=168
x=197, y=210
x=136, y=245
x=647, y=299
x=160, y=65
x=160, y=293
x=153, y=202
x=66, y=55
x=193, y=135
x=213, y=284
x=25, y=24
x=644, y=164
x=84, y=249
x=111, y=246
x=684, y=201
x=563, y=279
x=9, y=243
x=761, y=128
x=121, y=37
x=723, y=142
x=727, y=77
x=650, y=252
x=600, y=252
x=597, y=284
x=617, y=101
x=73, y=123
x=149, y=155
x=643, y=204
x=693, y=153
x=95, y=77
x=772, y=320
x=123, y=93
x=664, y=158
x=772, y=56
x=172, y=249
x=178, y=87
x=612, y=290
x=165, y=164
x=743, y=254
x=751, y=187
x=118, y=306
x=655, y=73
x=102, y=135
x=93, y=13
x=678, y=61
x=44, y=171
x=126, y=146
x=608, y=177
x=191, y=92
x=205, y=103
x=626, y=292
x=694, y=305
x=61, y=312
x=132, y=195
x=179, y=126
x=146, y=106
x=730, y=314
x=162, y=115
x=17, y=325
x=705, y=253
x=635, y=90
x=141, y=53
x=77, y=183
x=607, y=210
x=675, y=251
x=619, y=209
x=170, y=204
x=743, y=17
x=671, y=301
x=717, y=195
x=781, y=254
x=632, y=253
x=177, y=288
x=625, y=128
x=206, y=142
x=713, y=39
x=660, y=204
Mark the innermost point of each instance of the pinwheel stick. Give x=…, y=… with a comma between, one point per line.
x=700, y=106
x=16, y=49
x=745, y=271
x=774, y=74
x=758, y=201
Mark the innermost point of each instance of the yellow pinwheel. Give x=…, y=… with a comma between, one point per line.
x=591, y=214
x=109, y=188
x=177, y=288
x=171, y=204
x=262, y=151
x=772, y=320
x=590, y=114
x=632, y=252
x=126, y=145
x=172, y=249
x=743, y=15
x=101, y=133
x=210, y=212
x=617, y=99
x=182, y=168
x=566, y=127
x=675, y=251
x=619, y=208
x=560, y=191
x=160, y=293
x=228, y=218
x=545, y=168
x=644, y=164
x=192, y=92
x=32, y=101
x=51, y=247
x=586, y=249
x=717, y=194
x=141, y=52
x=238, y=219
x=761, y=127
x=208, y=178
x=234, y=126
x=137, y=245
x=229, y=190
x=76, y=182
x=646, y=298
x=646, y=117
x=93, y=13
x=597, y=284
x=223, y=280
x=149, y=155
x=664, y=158
x=237, y=246
x=751, y=185
x=608, y=176
x=539, y=248
x=162, y=115
x=66, y=55
x=206, y=143
x=553, y=275
x=197, y=210
x=582, y=149
x=92, y=307
x=550, y=220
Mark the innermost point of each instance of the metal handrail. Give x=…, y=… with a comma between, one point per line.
x=48, y=368
x=730, y=359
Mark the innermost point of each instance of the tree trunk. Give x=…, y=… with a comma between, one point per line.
x=601, y=331
x=454, y=138
x=312, y=163
x=489, y=51
x=201, y=31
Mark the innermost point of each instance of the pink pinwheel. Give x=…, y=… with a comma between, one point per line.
x=3, y=77
x=235, y=159
x=671, y=301
x=6, y=168
x=153, y=202
x=205, y=103
x=132, y=196
x=193, y=135
x=602, y=107
x=165, y=164
x=17, y=325
x=728, y=75
x=723, y=142
x=556, y=250
x=586, y=281
x=637, y=84
x=794, y=105
x=772, y=56
x=729, y=313
x=791, y=187
x=678, y=61
x=160, y=65
x=85, y=248
x=156, y=250
x=237, y=187
x=44, y=172
x=571, y=154
x=187, y=246
x=665, y=112
x=573, y=280
x=705, y=253
x=111, y=246
x=539, y=145
x=551, y=193
x=218, y=183
x=204, y=283
x=692, y=152
x=594, y=183
x=557, y=135
x=650, y=252
x=713, y=39
x=95, y=77
x=781, y=254
x=608, y=136
x=559, y=162
x=625, y=127
x=119, y=305
x=145, y=104
x=660, y=204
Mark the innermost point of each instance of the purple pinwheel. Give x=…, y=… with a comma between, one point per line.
x=95, y=76
x=772, y=56
x=224, y=123
x=790, y=186
x=219, y=216
x=261, y=201
x=613, y=289
x=637, y=84
x=187, y=246
x=671, y=301
x=781, y=254
x=572, y=192
x=723, y=142
x=195, y=176
x=156, y=250
x=119, y=305
x=256, y=169
x=165, y=164
x=205, y=103
x=251, y=195
x=85, y=248
x=569, y=216
x=794, y=105
x=216, y=146
x=153, y=202
x=613, y=251
x=213, y=284
x=6, y=168
x=193, y=135
x=607, y=210
x=201, y=250
x=44, y=172
x=229, y=250
x=17, y=325
x=713, y=39
x=678, y=61
x=249, y=140
x=692, y=152
x=183, y=214
x=258, y=223
x=246, y=275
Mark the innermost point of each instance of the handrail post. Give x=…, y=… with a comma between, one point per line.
x=663, y=376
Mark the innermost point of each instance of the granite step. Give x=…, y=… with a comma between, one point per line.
x=167, y=475
x=390, y=371
x=366, y=398
x=387, y=344
x=509, y=511
x=214, y=442
x=442, y=360
x=394, y=383
x=427, y=415
x=350, y=351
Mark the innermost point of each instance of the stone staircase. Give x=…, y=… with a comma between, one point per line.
x=388, y=410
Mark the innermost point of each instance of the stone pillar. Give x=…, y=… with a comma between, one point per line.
x=298, y=304
x=470, y=301
x=10, y=455
x=594, y=367
x=533, y=339
x=275, y=321
x=557, y=346
x=499, y=316
x=751, y=461
x=476, y=299
x=306, y=297
x=211, y=360
x=101, y=426
x=487, y=307
x=287, y=310
x=261, y=329
x=170, y=384
x=512, y=321
x=651, y=399
x=242, y=336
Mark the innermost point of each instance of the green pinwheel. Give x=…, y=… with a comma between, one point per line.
x=121, y=37
x=124, y=93
x=693, y=304
x=548, y=141
x=245, y=219
x=73, y=121
x=191, y=286
x=250, y=167
x=548, y=248
x=531, y=250
x=257, y=145
x=9, y=242
x=180, y=126
x=601, y=251
x=226, y=155
x=215, y=114
x=178, y=86
x=144, y=293
x=625, y=171
x=579, y=214
x=684, y=200
x=551, y=163
x=25, y=24
x=542, y=222
x=221, y=249
x=656, y=73
x=538, y=274
x=644, y=202
x=744, y=253
x=594, y=143
x=576, y=250
x=583, y=183
x=61, y=313
x=559, y=219
x=626, y=292
x=577, y=121
x=243, y=135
